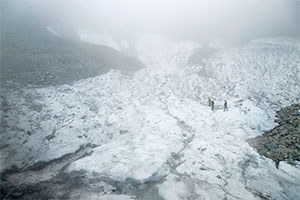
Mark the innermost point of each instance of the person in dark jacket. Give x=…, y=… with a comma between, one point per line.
x=225, y=105
x=212, y=105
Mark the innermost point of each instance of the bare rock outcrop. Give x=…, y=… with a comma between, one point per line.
x=282, y=143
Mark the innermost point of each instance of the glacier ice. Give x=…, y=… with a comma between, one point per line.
x=156, y=128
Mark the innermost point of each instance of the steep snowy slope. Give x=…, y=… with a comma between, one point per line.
x=153, y=136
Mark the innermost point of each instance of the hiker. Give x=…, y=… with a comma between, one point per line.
x=209, y=102
x=212, y=105
x=225, y=105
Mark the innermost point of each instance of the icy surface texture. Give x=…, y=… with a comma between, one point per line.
x=156, y=128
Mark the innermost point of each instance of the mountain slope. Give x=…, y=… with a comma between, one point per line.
x=31, y=54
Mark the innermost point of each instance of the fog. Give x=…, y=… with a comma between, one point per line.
x=177, y=19
x=150, y=99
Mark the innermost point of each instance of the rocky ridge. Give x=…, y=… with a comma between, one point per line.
x=283, y=141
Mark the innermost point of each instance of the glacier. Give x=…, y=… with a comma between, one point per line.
x=153, y=136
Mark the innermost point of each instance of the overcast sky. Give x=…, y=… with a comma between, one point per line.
x=183, y=19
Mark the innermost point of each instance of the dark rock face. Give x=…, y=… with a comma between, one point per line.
x=283, y=141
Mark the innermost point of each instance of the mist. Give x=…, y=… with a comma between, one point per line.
x=150, y=99
x=176, y=19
